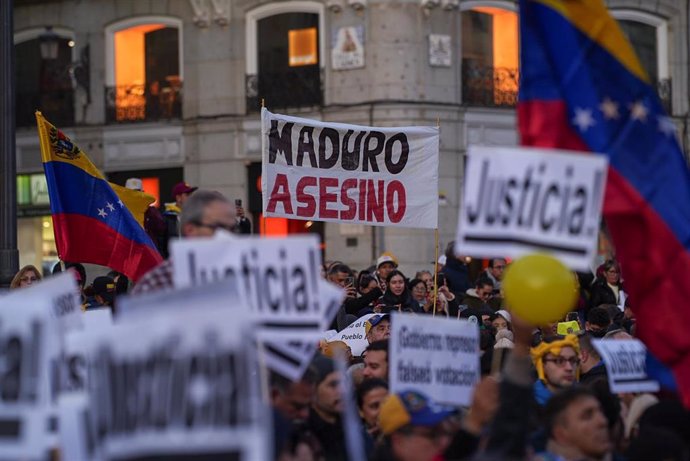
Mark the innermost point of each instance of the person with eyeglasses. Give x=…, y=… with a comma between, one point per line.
x=608, y=288
x=25, y=277
x=494, y=272
x=557, y=361
x=204, y=212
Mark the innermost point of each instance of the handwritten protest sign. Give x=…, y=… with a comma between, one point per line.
x=438, y=357
x=186, y=387
x=347, y=173
x=625, y=361
x=354, y=335
x=32, y=321
x=518, y=200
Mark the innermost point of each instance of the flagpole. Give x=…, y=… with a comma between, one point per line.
x=438, y=125
x=9, y=255
x=435, y=271
x=262, y=230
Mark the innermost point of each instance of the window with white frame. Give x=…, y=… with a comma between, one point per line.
x=285, y=55
x=648, y=35
x=143, y=69
x=489, y=53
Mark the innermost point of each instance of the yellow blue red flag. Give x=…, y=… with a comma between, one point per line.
x=91, y=222
x=583, y=88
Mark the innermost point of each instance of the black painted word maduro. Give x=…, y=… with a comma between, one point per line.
x=360, y=151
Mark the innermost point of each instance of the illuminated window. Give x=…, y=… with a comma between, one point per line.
x=143, y=70
x=302, y=47
x=490, y=56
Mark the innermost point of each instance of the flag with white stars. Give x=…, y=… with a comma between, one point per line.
x=92, y=222
x=583, y=88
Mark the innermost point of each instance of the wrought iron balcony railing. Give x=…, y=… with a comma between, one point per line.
x=57, y=106
x=144, y=103
x=293, y=89
x=489, y=86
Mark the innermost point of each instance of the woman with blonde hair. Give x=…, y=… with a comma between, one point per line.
x=26, y=276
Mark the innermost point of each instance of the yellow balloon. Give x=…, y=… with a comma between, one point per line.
x=539, y=289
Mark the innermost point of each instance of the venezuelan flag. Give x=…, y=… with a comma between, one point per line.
x=92, y=224
x=583, y=88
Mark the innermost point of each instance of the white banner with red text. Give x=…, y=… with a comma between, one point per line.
x=336, y=172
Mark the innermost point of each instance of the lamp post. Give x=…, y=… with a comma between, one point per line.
x=9, y=256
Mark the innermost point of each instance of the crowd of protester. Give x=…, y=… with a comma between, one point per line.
x=544, y=391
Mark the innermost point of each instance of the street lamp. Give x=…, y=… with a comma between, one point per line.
x=50, y=44
x=9, y=256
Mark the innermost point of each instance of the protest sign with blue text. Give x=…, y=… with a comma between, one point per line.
x=521, y=200
x=436, y=356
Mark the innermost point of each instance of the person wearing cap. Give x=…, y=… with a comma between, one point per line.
x=377, y=328
x=180, y=192
x=204, y=212
x=557, y=361
x=384, y=266
x=326, y=409
x=412, y=427
x=103, y=289
x=154, y=224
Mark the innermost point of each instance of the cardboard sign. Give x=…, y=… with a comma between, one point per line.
x=436, y=356
x=354, y=335
x=349, y=174
x=625, y=361
x=32, y=321
x=278, y=277
x=521, y=200
x=184, y=386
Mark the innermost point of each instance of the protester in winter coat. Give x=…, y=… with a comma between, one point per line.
x=608, y=288
x=397, y=297
x=326, y=410
x=456, y=272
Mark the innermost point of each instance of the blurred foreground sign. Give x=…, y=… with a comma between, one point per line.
x=518, y=200
x=625, y=361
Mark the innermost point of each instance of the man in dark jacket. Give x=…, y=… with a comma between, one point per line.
x=457, y=273
x=592, y=368
x=327, y=406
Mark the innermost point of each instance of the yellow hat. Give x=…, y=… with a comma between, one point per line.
x=554, y=347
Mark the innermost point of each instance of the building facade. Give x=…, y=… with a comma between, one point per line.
x=167, y=90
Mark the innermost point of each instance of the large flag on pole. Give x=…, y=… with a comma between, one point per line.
x=583, y=88
x=91, y=222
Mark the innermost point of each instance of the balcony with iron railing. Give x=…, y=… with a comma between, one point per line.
x=144, y=103
x=484, y=86
x=285, y=90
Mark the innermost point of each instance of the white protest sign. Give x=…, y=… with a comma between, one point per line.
x=348, y=173
x=278, y=276
x=31, y=324
x=176, y=383
x=625, y=361
x=436, y=356
x=354, y=335
x=520, y=200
